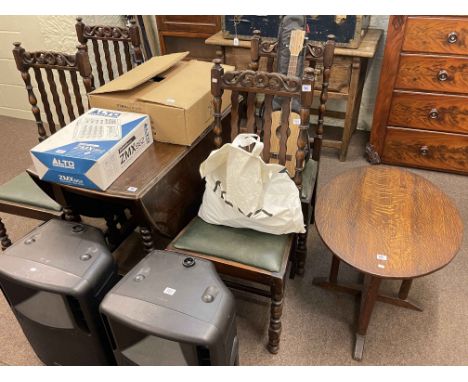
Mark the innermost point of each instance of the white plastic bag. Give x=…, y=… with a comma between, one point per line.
x=242, y=191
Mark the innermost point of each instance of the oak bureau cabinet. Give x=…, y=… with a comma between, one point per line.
x=421, y=113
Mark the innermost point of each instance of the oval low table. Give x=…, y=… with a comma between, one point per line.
x=389, y=224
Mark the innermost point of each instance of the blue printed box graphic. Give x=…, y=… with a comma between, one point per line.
x=94, y=149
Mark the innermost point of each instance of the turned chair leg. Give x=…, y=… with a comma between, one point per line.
x=301, y=253
x=4, y=239
x=274, y=330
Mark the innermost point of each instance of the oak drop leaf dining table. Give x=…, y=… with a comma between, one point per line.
x=161, y=191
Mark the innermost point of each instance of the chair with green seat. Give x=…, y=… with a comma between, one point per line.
x=258, y=261
x=316, y=55
x=21, y=195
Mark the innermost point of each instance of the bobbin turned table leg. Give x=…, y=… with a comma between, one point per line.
x=368, y=298
x=4, y=239
x=147, y=238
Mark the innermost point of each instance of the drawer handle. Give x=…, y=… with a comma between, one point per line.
x=434, y=114
x=442, y=75
x=452, y=37
x=424, y=150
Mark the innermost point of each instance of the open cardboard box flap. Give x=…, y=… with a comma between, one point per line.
x=141, y=73
x=175, y=94
x=183, y=91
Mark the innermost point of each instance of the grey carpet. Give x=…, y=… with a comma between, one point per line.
x=317, y=324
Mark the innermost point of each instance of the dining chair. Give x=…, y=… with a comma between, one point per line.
x=317, y=56
x=21, y=195
x=121, y=37
x=257, y=261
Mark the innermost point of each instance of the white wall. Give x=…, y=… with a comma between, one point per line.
x=372, y=82
x=35, y=33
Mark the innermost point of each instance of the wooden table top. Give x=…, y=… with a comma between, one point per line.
x=388, y=222
x=153, y=163
x=145, y=172
x=366, y=49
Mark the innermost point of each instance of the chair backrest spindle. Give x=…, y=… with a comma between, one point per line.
x=217, y=91
x=267, y=121
x=314, y=54
x=127, y=36
x=64, y=66
x=270, y=85
x=97, y=58
x=55, y=96
x=84, y=67
x=107, y=56
x=134, y=33
x=235, y=117
x=282, y=130
x=66, y=94
x=118, y=57
x=251, y=103
x=307, y=96
x=45, y=100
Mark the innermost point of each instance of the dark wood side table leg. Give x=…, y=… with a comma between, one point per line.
x=368, y=298
x=331, y=282
x=404, y=289
x=335, y=267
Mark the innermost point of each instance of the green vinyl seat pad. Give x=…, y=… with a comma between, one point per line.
x=245, y=246
x=23, y=190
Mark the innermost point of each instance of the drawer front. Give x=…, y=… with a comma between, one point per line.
x=440, y=112
x=436, y=35
x=425, y=149
x=206, y=25
x=433, y=73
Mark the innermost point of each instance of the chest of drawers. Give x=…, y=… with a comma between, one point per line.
x=421, y=113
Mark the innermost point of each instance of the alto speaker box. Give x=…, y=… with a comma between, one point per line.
x=171, y=309
x=54, y=280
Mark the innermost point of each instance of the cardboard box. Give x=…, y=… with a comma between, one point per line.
x=175, y=94
x=94, y=149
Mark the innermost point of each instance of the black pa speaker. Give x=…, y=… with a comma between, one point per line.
x=54, y=280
